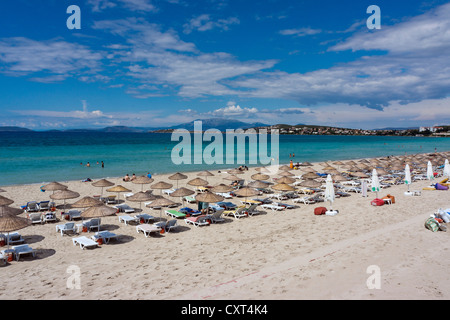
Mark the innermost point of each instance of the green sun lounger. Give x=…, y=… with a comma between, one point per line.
x=175, y=214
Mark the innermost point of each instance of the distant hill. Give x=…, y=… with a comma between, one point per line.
x=14, y=129
x=219, y=124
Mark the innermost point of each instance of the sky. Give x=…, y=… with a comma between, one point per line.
x=157, y=63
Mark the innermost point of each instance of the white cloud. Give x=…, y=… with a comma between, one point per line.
x=301, y=32
x=204, y=22
x=132, y=5
x=56, y=58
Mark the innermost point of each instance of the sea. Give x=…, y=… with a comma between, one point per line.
x=40, y=157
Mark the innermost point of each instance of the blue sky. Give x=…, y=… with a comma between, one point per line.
x=157, y=63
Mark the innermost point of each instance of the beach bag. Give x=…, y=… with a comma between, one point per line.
x=319, y=211
x=377, y=202
x=440, y=187
x=432, y=224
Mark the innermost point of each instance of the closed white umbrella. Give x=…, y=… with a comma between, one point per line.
x=407, y=176
x=375, y=182
x=430, y=174
x=329, y=194
x=446, y=172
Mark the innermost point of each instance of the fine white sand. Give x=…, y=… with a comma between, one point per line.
x=291, y=254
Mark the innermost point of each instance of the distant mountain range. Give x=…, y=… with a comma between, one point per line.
x=213, y=123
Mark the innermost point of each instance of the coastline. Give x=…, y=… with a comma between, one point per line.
x=278, y=255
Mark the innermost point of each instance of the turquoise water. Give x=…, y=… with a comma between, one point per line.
x=39, y=157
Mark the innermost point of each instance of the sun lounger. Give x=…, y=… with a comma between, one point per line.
x=128, y=219
x=144, y=217
x=216, y=217
x=305, y=200
x=106, y=236
x=278, y=196
x=73, y=214
x=123, y=207
x=148, y=229
x=273, y=207
x=227, y=205
x=175, y=214
x=2, y=259
x=170, y=225
x=189, y=199
x=13, y=238
x=198, y=221
x=237, y=213
x=252, y=209
x=168, y=191
x=226, y=195
x=287, y=206
x=111, y=200
x=32, y=206
x=35, y=217
x=66, y=228
x=44, y=205
x=49, y=217
x=250, y=202
x=23, y=249
x=84, y=242
x=190, y=212
x=92, y=224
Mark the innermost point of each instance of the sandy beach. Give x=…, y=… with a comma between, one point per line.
x=277, y=255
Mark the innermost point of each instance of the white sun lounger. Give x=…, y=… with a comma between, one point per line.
x=84, y=242
x=66, y=228
x=128, y=219
x=106, y=236
x=198, y=221
x=145, y=217
x=273, y=207
x=147, y=229
x=23, y=249
x=123, y=207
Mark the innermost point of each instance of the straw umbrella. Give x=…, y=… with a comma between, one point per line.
x=98, y=211
x=1, y=190
x=182, y=192
x=178, y=176
x=159, y=203
x=286, y=180
x=102, y=183
x=258, y=184
x=119, y=188
x=142, y=180
x=54, y=186
x=198, y=182
x=5, y=201
x=286, y=174
x=86, y=202
x=205, y=174
x=260, y=176
x=141, y=197
x=310, y=183
x=283, y=187
x=64, y=195
x=221, y=188
x=310, y=175
x=12, y=222
x=11, y=211
x=207, y=198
